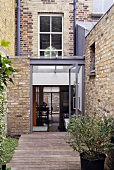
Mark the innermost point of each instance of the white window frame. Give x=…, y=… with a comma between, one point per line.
x=49, y=33
x=102, y=7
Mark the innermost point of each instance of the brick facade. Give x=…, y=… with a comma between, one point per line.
x=7, y=24
x=29, y=22
x=99, y=88
x=84, y=10
x=18, y=97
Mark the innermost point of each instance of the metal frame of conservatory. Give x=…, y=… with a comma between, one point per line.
x=71, y=61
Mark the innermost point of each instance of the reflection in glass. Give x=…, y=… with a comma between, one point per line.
x=56, y=24
x=57, y=41
x=44, y=41
x=44, y=24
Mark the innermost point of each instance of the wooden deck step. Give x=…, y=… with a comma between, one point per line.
x=44, y=151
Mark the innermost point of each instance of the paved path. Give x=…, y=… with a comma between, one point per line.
x=44, y=151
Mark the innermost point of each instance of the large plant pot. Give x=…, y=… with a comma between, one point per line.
x=110, y=158
x=92, y=164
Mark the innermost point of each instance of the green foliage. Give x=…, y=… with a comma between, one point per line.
x=6, y=75
x=91, y=134
x=5, y=43
x=51, y=51
x=9, y=146
x=6, y=70
x=8, y=168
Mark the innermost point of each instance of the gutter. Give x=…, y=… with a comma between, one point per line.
x=18, y=27
x=74, y=27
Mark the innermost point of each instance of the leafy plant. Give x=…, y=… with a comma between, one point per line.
x=6, y=75
x=51, y=51
x=5, y=43
x=91, y=134
x=9, y=147
x=6, y=70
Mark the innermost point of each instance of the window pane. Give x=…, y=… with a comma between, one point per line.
x=56, y=24
x=97, y=5
x=107, y=4
x=41, y=53
x=44, y=41
x=44, y=24
x=57, y=41
x=59, y=53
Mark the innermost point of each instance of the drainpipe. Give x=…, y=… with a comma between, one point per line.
x=18, y=27
x=74, y=27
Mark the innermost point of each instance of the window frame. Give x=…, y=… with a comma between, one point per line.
x=49, y=33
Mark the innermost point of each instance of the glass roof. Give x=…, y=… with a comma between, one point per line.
x=51, y=69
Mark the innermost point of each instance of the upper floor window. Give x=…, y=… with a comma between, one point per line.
x=101, y=6
x=50, y=35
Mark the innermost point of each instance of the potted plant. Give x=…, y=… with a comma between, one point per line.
x=90, y=135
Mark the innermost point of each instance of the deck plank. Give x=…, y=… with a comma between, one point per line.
x=44, y=151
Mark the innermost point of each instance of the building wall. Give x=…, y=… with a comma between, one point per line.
x=19, y=93
x=7, y=24
x=29, y=21
x=84, y=10
x=99, y=89
x=18, y=97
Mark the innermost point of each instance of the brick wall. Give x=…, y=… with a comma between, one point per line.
x=29, y=21
x=19, y=98
x=84, y=10
x=7, y=24
x=99, y=89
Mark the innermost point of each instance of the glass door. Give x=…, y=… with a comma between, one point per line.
x=73, y=90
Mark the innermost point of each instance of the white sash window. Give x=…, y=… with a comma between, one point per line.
x=50, y=35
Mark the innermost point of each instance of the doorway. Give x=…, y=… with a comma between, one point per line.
x=50, y=107
x=54, y=101
x=58, y=76
x=46, y=100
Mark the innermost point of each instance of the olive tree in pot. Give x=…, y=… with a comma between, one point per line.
x=90, y=136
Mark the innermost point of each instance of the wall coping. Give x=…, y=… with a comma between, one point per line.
x=19, y=57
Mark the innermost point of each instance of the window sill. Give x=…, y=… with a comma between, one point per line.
x=96, y=15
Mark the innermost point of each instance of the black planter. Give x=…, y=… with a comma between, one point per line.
x=93, y=164
x=112, y=139
x=4, y=167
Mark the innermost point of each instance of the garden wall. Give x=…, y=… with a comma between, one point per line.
x=7, y=24
x=18, y=97
x=99, y=85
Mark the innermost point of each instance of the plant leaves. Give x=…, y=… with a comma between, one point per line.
x=5, y=43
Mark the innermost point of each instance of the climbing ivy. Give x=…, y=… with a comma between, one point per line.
x=6, y=75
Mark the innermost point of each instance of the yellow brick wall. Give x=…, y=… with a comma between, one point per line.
x=7, y=24
x=99, y=89
x=18, y=97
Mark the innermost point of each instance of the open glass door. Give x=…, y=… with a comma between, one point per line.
x=73, y=90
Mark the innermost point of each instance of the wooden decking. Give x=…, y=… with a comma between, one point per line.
x=44, y=151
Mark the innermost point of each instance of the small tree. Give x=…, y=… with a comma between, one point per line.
x=6, y=75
